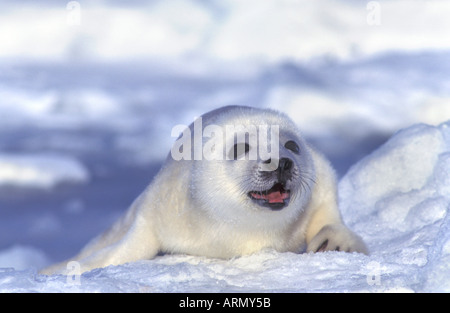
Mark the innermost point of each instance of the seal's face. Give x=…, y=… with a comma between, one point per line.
x=277, y=196
x=274, y=188
x=260, y=173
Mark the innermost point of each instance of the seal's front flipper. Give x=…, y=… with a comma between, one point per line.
x=337, y=237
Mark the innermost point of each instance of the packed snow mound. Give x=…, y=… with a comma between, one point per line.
x=397, y=199
x=44, y=171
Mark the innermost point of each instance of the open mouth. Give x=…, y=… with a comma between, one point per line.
x=274, y=198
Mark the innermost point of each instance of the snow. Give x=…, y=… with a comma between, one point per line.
x=22, y=257
x=40, y=171
x=398, y=196
x=87, y=111
x=272, y=30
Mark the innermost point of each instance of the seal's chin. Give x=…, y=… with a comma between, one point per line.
x=275, y=198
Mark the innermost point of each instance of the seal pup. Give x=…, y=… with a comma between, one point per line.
x=237, y=180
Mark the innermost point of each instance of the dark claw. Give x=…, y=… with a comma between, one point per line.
x=322, y=246
x=337, y=249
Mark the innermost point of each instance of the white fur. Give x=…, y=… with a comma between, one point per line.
x=199, y=207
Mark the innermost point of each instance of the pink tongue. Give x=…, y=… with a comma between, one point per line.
x=273, y=197
x=276, y=197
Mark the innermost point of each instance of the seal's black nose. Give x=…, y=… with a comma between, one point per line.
x=285, y=164
x=284, y=169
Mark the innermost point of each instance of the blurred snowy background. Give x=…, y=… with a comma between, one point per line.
x=90, y=90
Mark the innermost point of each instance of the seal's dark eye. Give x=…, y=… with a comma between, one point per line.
x=239, y=149
x=293, y=146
